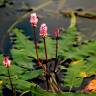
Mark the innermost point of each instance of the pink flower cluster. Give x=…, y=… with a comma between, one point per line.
x=43, y=30
x=56, y=32
x=34, y=19
x=6, y=61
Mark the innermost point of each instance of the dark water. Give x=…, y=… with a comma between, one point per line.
x=49, y=14
x=86, y=26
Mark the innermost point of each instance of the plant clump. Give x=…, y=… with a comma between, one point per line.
x=62, y=65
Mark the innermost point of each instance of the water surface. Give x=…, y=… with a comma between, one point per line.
x=50, y=15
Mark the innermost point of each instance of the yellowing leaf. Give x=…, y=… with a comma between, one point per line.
x=91, y=87
x=76, y=62
x=83, y=74
x=1, y=82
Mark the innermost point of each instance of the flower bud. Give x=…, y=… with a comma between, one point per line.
x=6, y=61
x=56, y=32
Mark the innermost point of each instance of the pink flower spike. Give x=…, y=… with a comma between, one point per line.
x=43, y=30
x=33, y=19
x=56, y=32
x=6, y=62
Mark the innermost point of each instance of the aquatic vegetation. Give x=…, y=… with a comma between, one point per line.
x=34, y=21
x=56, y=34
x=65, y=63
x=43, y=34
x=7, y=64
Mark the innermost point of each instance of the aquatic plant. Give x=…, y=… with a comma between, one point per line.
x=34, y=21
x=56, y=34
x=43, y=34
x=76, y=62
x=7, y=64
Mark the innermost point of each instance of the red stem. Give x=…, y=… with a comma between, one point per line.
x=47, y=78
x=56, y=54
x=45, y=52
x=35, y=42
x=56, y=47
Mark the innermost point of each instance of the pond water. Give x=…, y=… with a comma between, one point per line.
x=49, y=11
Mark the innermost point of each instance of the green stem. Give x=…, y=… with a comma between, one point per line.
x=24, y=93
x=35, y=43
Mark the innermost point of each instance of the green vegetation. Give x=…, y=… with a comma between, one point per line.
x=81, y=53
x=1, y=2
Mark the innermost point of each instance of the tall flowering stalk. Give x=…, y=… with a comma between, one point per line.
x=43, y=34
x=34, y=21
x=7, y=64
x=56, y=34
